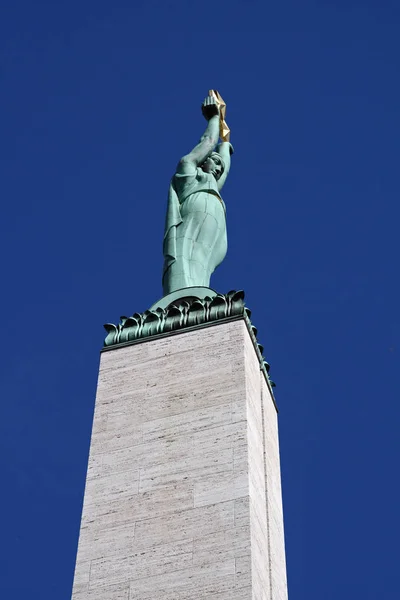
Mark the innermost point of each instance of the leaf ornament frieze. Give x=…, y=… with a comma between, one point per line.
x=182, y=314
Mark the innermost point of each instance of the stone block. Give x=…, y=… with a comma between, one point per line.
x=183, y=496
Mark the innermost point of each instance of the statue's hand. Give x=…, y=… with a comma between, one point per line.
x=210, y=107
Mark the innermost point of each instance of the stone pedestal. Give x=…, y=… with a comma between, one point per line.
x=183, y=494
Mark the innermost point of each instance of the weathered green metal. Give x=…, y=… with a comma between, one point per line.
x=184, y=313
x=189, y=292
x=195, y=240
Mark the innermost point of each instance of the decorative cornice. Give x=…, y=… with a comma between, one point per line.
x=181, y=314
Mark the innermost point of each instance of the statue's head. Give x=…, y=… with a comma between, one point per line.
x=214, y=165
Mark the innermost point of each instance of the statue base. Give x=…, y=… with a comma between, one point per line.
x=184, y=294
x=187, y=308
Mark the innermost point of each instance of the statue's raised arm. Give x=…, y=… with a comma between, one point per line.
x=203, y=155
x=195, y=240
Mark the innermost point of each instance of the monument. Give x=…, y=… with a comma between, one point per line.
x=183, y=495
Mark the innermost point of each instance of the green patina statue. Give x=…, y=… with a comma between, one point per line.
x=195, y=244
x=195, y=240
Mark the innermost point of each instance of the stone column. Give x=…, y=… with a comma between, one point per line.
x=183, y=494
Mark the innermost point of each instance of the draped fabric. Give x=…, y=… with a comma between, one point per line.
x=172, y=220
x=195, y=231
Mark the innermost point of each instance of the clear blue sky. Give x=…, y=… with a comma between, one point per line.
x=99, y=100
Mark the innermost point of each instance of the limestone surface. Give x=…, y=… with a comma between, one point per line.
x=183, y=494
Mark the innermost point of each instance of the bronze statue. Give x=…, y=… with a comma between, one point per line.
x=195, y=240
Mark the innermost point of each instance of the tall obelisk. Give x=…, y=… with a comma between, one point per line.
x=183, y=493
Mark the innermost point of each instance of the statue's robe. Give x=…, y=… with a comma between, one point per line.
x=195, y=240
